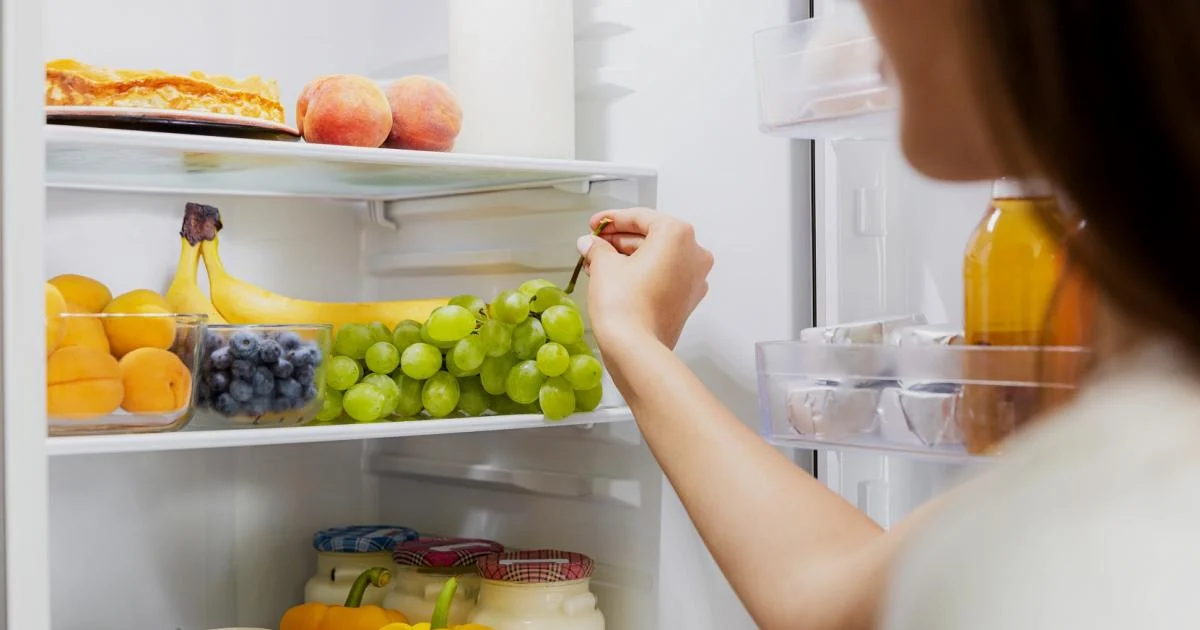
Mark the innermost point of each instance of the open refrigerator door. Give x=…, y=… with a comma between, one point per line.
x=878, y=390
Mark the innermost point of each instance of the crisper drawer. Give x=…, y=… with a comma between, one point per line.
x=942, y=402
x=822, y=78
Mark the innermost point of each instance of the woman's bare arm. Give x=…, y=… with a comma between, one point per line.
x=798, y=555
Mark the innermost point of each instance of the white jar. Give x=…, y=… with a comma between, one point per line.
x=336, y=573
x=422, y=568
x=344, y=553
x=537, y=590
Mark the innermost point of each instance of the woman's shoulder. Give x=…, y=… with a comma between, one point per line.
x=1089, y=521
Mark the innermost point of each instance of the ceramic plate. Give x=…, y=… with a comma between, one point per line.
x=170, y=120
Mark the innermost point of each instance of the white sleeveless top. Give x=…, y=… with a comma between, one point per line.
x=1091, y=521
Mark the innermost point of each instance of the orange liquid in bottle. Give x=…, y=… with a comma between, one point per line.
x=1011, y=275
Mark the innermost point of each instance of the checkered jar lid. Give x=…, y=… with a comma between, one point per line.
x=536, y=566
x=362, y=538
x=444, y=552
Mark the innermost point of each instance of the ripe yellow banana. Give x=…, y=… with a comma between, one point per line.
x=243, y=303
x=184, y=295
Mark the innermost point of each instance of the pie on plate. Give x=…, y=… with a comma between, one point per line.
x=70, y=83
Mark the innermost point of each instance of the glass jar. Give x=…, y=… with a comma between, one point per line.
x=1012, y=270
x=537, y=590
x=422, y=568
x=343, y=553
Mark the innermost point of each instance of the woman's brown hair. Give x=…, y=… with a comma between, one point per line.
x=1103, y=99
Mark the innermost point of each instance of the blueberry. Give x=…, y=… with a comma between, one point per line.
x=218, y=381
x=283, y=368
x=213, y=341
x=310, y=393
x=279, y=403
x=257, y=406
x=241, y=369
x=315, y=352
x=305, y=374
x=226, y=405
x=288, y=388
x=298, y=357
x=220, y=359
x=241, y=390
x=289, y=340
x=263, y=381
x=243, y=344
x=203, y=393
x=269, y=352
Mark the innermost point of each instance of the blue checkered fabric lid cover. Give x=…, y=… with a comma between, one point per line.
x=362, y=538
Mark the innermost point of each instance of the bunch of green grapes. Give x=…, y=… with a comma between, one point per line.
x=523, y=353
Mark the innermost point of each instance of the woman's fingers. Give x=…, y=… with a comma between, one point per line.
x=631, y=220
x=625, y=242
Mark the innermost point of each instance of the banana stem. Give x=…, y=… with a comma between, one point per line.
x=579, y=265
x=200, y=223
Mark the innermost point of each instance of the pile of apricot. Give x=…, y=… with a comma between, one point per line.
x=96, y=365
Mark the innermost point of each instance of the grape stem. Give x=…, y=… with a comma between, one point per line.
x=579, y=265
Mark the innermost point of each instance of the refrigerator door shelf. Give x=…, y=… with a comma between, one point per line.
x=923, y=401
x=822, y=78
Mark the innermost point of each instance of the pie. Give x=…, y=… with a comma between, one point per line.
x=72, y=83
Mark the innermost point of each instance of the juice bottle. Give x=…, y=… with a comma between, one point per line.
x=1011, y=272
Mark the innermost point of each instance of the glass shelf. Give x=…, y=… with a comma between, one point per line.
x=199, y=438
x=141, y=161
x=934, y=402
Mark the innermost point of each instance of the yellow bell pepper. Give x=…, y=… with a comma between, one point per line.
x=441, y=614
x=352, y=616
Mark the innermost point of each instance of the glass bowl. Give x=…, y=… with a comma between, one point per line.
x=123, y=373
x=262, y=375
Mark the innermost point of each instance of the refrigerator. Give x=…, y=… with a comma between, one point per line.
x=195, y=530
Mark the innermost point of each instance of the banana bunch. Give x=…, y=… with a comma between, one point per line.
x=239, y=302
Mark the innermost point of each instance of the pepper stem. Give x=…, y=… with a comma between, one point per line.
x=579, y=265
x=377, y=577
x=441, y=610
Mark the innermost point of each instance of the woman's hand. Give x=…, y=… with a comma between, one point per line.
x=647, y=276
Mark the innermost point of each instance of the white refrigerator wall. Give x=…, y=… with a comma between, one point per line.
x=216, y=538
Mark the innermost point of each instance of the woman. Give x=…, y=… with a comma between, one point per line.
x=1093, y=518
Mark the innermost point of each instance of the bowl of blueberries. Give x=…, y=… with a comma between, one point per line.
x=261, y=375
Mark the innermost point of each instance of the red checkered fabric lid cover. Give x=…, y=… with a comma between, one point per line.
x=443, y=552
x=535, y=566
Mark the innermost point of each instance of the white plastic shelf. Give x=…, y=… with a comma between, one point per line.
x=821, y=78
x=141, y=161
x=625, y=492
x=192, y=439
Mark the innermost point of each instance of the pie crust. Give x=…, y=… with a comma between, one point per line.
x=70, y=82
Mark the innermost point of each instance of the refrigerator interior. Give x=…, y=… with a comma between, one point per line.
x=207, y=538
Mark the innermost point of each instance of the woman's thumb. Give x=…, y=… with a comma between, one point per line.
x=594, y=247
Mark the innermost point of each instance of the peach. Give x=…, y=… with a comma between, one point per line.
x=344, y=109
x=126, y=334
x=56, y=305
x=425, y=115
x=82, y=382
x=305, y=96
x=155, y=380
x=83, y=330
x=88, y=294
